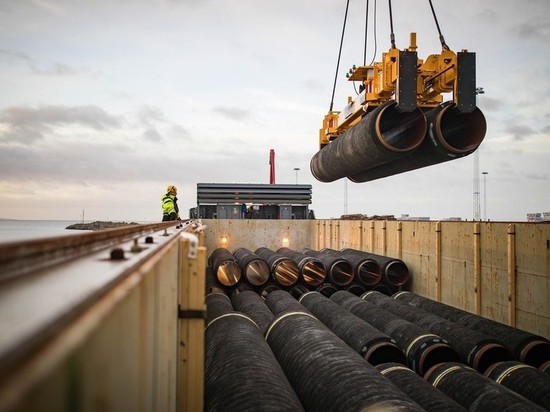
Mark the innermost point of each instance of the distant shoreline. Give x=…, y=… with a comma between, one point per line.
x=99, y=225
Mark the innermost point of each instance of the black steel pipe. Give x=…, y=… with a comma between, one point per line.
x=365, y=270
x=252, y=305
x=266, y=289
x=312, y=271
x=383, y=135
x=225, y=266
x=212, y=284
x=239, y=288
x=254, y=268
x=476, y=392
x=298, y=290
x=524, y=379
x=280, y=301
x=339, y=270
x=241, y=371
x=355, y=288
x=283, y=270
x=528, y=348
x=327, y=289
x=420, y=391
x=217, y=304
x=450, y=135
x=386, y=289
x=476, y=349
x=422, y=348
x=327, y=374
x=394, y=270
x=376, y=347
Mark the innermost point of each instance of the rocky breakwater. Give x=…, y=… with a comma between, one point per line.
x=99, y=225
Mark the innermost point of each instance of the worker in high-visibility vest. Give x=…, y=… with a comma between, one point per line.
x=170, y=210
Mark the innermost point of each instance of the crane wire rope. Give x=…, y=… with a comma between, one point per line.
x=366, y=33
x=441, y=38
x=392, y=35
x=339, y=55
x=375, y=36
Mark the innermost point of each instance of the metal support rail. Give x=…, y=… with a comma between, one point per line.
x=22, y=257
x=95, y=319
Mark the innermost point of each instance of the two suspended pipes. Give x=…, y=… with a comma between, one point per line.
x=335, y=343
x=386, y=142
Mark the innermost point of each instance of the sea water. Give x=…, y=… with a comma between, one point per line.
x=15, y=230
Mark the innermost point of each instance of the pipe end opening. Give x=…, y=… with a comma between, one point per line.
x=313, y=273
x=286, y=273
x=536, y=353
x=369, y=273
x=257, y=272
x=384, y=352
x=435, y=354
x=341, y=273
x=397, y=273
x=229, y=273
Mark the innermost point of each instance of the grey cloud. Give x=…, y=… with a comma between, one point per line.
x=234, y=113
x=490, y=104
x=536, y=29
x=57, y=69
x=179, y=132
x=149, y=115
x=27, y=124
x=546, y=129
x=534, y=176
x=152, y=135
x=519, y=131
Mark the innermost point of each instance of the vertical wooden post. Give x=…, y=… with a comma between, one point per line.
x=190, y=386
x=317, y=234
x=337, y=236
x=371, y=236
x=330, y=235
x=400, y=240
x=438, y=261
x=361, y=243
x=511, y=275
x=477, y=268
x=384, y=239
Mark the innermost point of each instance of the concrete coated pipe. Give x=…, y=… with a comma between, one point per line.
x=529, y=382
x=225, y=266
x=383, y=135
x=254, y=267
x=422, y=348
x=339, y=270
x=365, y=270
x=528, y=348
x=394, y=271
x=420, y=391
x=283, y=270
x=375, y=346
x=476, y=392
x=252, y=305
x=312, y=271
x=239, y=362
x=450, y=135
x=476, y=349
x=326, y=373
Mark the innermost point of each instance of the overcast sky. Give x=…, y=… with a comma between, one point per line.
x=105, y=103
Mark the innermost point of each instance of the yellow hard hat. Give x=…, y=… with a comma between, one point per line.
x=171, y=188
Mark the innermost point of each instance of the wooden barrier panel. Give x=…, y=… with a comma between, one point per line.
x=496, y=269
x=107, y=334
x=192, y=311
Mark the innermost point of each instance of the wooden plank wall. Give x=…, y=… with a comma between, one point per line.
x=497, y=269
